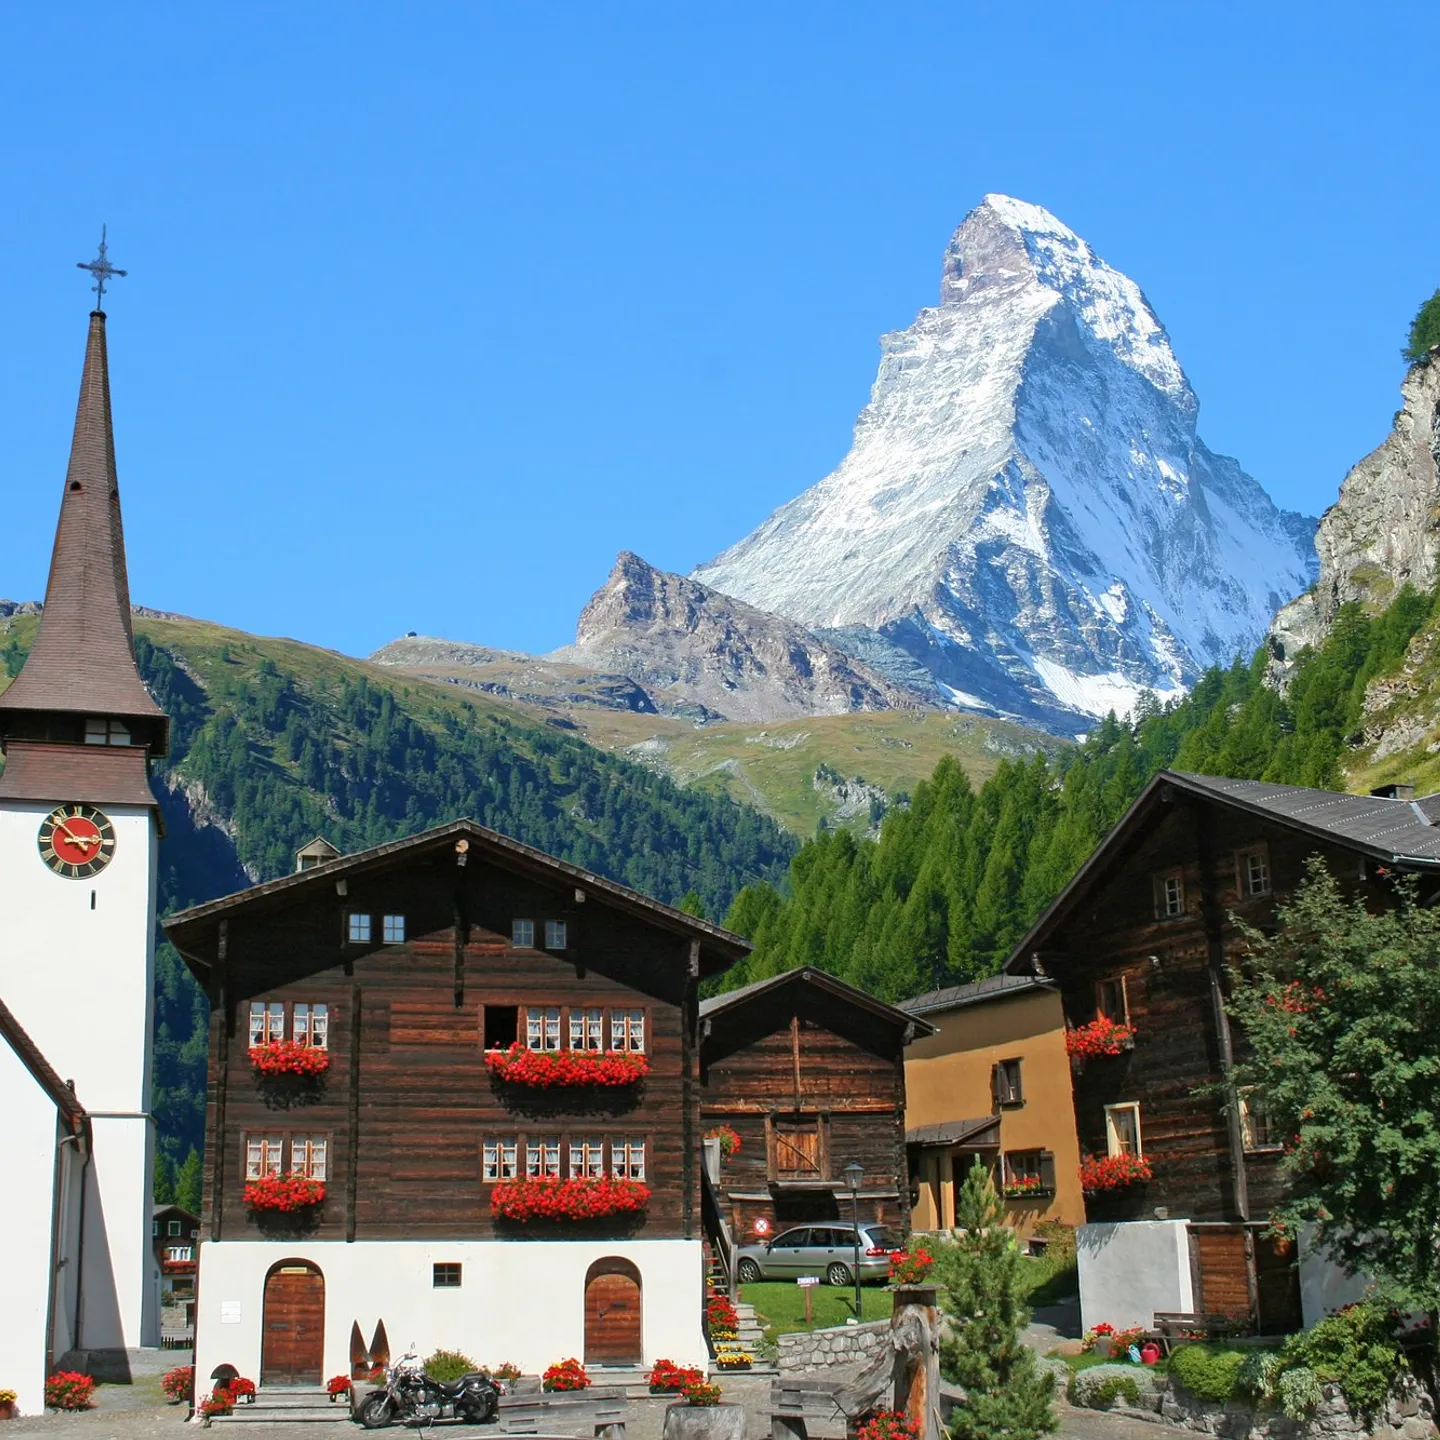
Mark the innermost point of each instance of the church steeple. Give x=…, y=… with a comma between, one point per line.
x=81, y=669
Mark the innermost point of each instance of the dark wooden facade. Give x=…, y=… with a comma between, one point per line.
x=1113, y=948
x=408, y=1103
x=809, y=1073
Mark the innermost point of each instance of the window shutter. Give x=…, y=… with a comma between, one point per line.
x=1047, y=1170
x=995, y=1083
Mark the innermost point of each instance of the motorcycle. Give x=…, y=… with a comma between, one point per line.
x=412, y=1397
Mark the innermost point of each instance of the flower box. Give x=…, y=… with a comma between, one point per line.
x=337, y=1386
x=1026, y=1189
x=1099, y=1173
x=279, y=1058
x=1102, y=1036
x=728, y=1137
x=551, y=1198
x=565, y=1375
x=911, y=1267
x=668, y=1378
x=733, y=1359
x=547, y=1069
x=284, y=1193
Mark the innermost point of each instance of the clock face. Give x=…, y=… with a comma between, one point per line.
x=76, y=841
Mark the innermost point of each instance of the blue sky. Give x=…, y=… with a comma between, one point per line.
x=434, y=308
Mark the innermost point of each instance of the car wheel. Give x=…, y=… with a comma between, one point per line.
x=838, y=1274
x=748, y=1272
x=377, y=1412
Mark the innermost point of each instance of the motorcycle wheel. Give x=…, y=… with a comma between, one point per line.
x=377, y=1412
x=480, y=1408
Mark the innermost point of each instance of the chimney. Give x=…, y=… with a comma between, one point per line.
x=318, y=852
x=1394, y=792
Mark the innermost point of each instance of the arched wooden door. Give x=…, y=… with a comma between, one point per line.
x=292, y=1346
x=612, y=1313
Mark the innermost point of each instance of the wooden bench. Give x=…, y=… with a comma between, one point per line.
x=1172, y=1326
x=794, y=1404
x=601, y=1411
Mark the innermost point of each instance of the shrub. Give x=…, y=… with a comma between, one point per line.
x=1298, y=1391
x=1113, y=1389
x=506, y=1370
x=448, y=1365
x=1210, y=1372
x=67, y=1390
x=178, y=1383
x=1100, y=1385
x=1258, y=1374
x=1355, y=1349
x=1424, y=330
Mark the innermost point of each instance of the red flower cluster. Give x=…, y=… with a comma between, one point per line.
x=1294, y=1001
x=219, y=1402
x=68, y=1390
x=240, y=1387
x=178, y=1383
x=338, y=1385
x=565, y=1375
x=520, y=1065
x=720, y=1314
x=283, y=1192
x=1112, y=1172
x=1021, y=1186
x=701, y=1393
x=1102, y=1036
x=289, y=1057
x=550, y=1198
x=889, y=1425
x=728, y=1137
x=910, y=1267
x=666, y=1377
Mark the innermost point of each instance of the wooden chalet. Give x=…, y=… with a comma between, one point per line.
x=1143, y=937
x=417, y=970
x=807, y=1073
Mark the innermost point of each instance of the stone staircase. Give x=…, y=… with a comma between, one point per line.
x=289, y=1405
x=752, y=1338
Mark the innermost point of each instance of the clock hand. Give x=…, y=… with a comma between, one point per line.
x=73, y=838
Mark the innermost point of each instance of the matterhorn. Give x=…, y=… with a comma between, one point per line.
x=1026, y=514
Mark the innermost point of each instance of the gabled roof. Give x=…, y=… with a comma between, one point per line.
x=1403, y=833
x=982, y=1131
x=14, y=1035
x=733, y=1000
x=977, y=992
x=83, y=658
x=192, y=933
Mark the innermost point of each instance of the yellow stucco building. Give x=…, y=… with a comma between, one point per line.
x=993, y=1082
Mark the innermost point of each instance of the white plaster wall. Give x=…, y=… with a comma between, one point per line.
x=80, y=979
x=26, y=1216
x=521, y=1301
x=1131, y=1269
x=1324, y=1286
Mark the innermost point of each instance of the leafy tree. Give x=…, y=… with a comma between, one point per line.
x=1424, y=330
x=1341, y=1011
x=1007, y=1394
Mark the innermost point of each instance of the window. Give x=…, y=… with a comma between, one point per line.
x=194, y=1234
x=267, y=1021
x=502, y=1026
x=542, y=1027
x=446, y=1275
x=359, y=929
x=1252, y=868
x=542, y=1157
x=1169, y=895
x=1029, y=1172
x=627, y=1029
x=627, y=1159
x=106, y=732
x=312, y=1025
x=587, y=1158
x=173, y=1228
x=500, y=1160
x=554, y=934
x=1256, y=1129
x=1111, y=1000
x=307, y=1156
x=1122, y=1129
x=155, y=1227
x=393, y=929
x=522, y=934
x=587, y=1029
x=263, y=1155
x=1006, y=1081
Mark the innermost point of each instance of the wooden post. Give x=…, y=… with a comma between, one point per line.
x=915, y=1340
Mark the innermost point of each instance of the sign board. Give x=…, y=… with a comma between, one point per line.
x=230, y=1312
x=762, y=1226
x=807, y=1279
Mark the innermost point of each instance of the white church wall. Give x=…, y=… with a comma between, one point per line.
x=77, y=970
x=521, y=1301
x=1131, y=1269
x=65, y=1302
x=26, y=1220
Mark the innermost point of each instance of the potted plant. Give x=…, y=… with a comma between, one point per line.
x=668, y=1378
x=578, y=1198
x=545, y=1069
x=241, y=1389
x=507, y=1371
x=733, y=1358
x=178, y=1384
x=69, y=1390
x=565, y=1375
x=218, y=1402
x=336, y=1386
x=285, y=1194
x=278, y=1058
x=727, y=1136
x=8, y=1406
x=911, y=1267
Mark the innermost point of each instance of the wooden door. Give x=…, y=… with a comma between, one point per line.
x=797, y=1152
x=613, y=1332
x=1223, y=1261
x=292, y=1348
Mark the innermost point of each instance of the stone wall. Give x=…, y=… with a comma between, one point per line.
x=841, y=1345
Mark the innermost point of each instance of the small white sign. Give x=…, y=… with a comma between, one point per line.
x=807, y=1279
x=230, y=1312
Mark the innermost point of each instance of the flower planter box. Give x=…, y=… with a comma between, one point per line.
x=576, y=1199
x=286, y=1059
x=1099, y=1038
x=1100, y=1174
x=284, y=1194
x=548, y=1069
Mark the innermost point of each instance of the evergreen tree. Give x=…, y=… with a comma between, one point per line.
x=692, y=904
x=1007, y=1394
x=1424, y=330
x=189, y=1180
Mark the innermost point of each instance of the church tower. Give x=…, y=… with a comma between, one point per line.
x=79, y=833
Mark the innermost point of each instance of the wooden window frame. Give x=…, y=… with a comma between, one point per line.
x=629, y=1146
x=542, y=1018
x=623, y=1019
x=1007, y=1096
x=1102, y=1005
x=1112, y=1130
x=392, y=929
x=500, y=1144
x=1248, y=1134
x=1159, y=881
x=359, y=927
x=269, y=1141
x=557, y=935
x=587, y=1152
x=585, y=1021
x=1044, y=1170
x=267, y=1033
x=544, y=1144
x=311, y=1141
x=800, y=1122
x=289, y=1026
x=1243, y=858
x=521, y=927
x=447, y=1275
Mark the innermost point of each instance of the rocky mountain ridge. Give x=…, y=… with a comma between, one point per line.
x=1026, y=513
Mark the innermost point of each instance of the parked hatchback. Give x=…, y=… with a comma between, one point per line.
x=827, y=1250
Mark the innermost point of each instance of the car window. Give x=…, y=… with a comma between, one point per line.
x=884, y=1237
x=792, y=1239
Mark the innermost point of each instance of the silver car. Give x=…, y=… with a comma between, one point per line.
x=825, y=1249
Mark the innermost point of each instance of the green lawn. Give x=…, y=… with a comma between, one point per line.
x=780, y=1305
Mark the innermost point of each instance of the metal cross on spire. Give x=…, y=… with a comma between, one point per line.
x=101, y=269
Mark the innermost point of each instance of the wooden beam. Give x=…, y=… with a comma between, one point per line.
x=689, y=1128
x=352, y=1129
x=222, y=1071
x=795, y=1055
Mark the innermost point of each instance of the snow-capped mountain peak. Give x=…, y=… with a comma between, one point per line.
x=1026, y=508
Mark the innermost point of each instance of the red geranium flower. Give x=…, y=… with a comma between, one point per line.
x=289, y=1057
x=1112, y=1172
x=550, y=1198
x=519, y=1065
x=283, y=1192
x=1102, y=1036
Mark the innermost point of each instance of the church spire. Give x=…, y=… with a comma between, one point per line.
x=82, y=664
